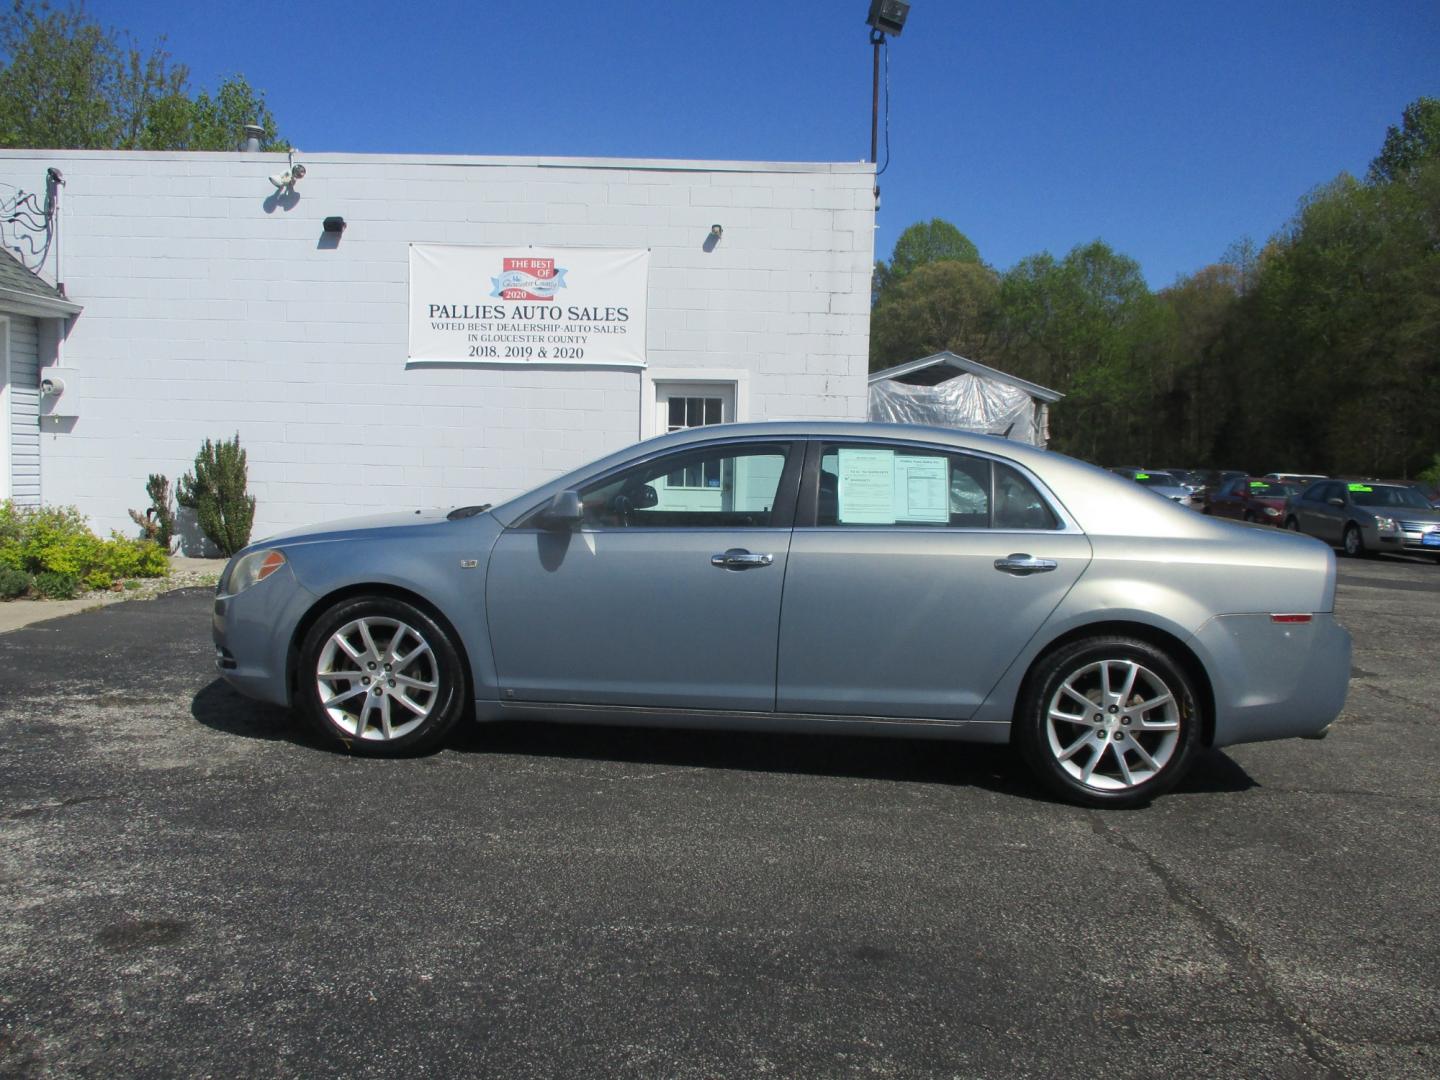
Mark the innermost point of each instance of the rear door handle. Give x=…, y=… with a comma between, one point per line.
x=740, y=559
x=1022, y=565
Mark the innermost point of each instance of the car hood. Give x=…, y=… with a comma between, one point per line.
x=356, y=527
x=1405, y=513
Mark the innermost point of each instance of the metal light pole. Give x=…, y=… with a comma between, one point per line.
x=877, y=38
x=887, y=17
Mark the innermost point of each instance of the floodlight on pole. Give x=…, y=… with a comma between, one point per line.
x=887, y=17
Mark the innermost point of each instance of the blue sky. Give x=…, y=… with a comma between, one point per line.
x=1168, y=130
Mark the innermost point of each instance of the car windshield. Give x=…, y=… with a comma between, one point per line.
x=1156, y=479
x=1377, y=495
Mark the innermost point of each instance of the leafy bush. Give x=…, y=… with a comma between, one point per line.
x=1431, y=473
x=54, y=585
x=157, y=522
x=53, y=546
x=13, y=583
x=216, y=492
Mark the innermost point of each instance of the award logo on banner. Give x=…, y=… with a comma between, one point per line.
x=485, y=305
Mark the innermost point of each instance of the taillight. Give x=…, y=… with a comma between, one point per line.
x=1290, y=618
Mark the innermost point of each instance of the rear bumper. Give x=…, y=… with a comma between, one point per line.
x=1274, y=680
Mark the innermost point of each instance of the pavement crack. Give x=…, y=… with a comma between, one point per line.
x=1245, y=954
x=61, y=804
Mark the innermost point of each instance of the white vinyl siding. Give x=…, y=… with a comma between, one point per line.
x=24, y=395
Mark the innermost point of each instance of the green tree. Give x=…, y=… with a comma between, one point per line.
x=1084, y=325
x=921, y=244
x=945, y=305
x=66, y=82
x=1414, y=142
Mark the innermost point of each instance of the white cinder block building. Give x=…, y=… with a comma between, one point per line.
x=475, y=326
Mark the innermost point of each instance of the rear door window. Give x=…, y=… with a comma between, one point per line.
x=869, y=484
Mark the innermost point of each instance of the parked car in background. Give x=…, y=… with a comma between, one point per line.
x=1190, y=478
x=1247, y=498
x=1211, y=479
x=806, y=577
x=1366, y=516
x=1303, y=479
x=1161, y=483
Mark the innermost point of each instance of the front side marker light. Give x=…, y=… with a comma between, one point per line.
x=273, y=561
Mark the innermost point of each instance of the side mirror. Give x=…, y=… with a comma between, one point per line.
x=564, y=512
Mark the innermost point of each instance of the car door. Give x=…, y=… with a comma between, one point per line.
x=1224, y=503
x=1309, y=509
x=1329, y=521
x=916, y=577
x=666, y=595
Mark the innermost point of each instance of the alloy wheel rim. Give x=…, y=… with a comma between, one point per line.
x=1113, y=725
x=377, y=679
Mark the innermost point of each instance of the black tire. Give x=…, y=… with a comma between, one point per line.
x=1249, y=517
x=1109, y=745
x=383, y=711
x=1352, y=543
x=1293, y=524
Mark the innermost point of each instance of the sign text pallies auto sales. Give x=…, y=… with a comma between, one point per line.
x=490, y=305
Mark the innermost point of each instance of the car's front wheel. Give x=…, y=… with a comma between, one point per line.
x=1352, y=542
x=1293, y=524
x=380, y=676
x=1108, y=721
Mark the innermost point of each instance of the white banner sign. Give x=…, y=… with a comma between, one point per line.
x=527, y=305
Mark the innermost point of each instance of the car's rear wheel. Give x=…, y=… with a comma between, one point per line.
x=1352, y=542
x=1108, y=721
x=380, y=676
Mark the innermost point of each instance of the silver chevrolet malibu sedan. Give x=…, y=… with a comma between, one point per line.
x=860, y=578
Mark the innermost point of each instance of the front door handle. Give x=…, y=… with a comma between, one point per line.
x=740, y=559
x=1022, y=565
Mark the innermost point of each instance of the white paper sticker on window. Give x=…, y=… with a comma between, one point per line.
x=866, y=493
x=922, y=489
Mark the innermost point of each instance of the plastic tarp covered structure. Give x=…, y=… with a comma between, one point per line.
x=968, y=402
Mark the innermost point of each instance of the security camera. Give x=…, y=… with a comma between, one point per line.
x=297, y=172
x=52, y=387
x=282, y=180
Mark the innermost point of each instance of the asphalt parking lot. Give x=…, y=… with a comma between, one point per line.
x=192, y=886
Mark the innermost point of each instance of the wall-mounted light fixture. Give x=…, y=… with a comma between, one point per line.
x=334, y=225
x=293, y=174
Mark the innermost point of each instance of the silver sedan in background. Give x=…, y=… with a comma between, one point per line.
x=1364, y=517
x=1163, y=483
x=862, y=578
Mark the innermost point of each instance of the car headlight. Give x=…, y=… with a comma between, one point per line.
x=1385, y=524
x=1270, y=511
x=252, y=569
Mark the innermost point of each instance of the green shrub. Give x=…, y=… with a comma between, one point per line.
x=216, y=492
x=51, y=540
x=157, y=522
x=54, y=585
x=13, y=583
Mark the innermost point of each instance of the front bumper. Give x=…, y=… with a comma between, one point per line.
x=1275, y=680
x=252, y=632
